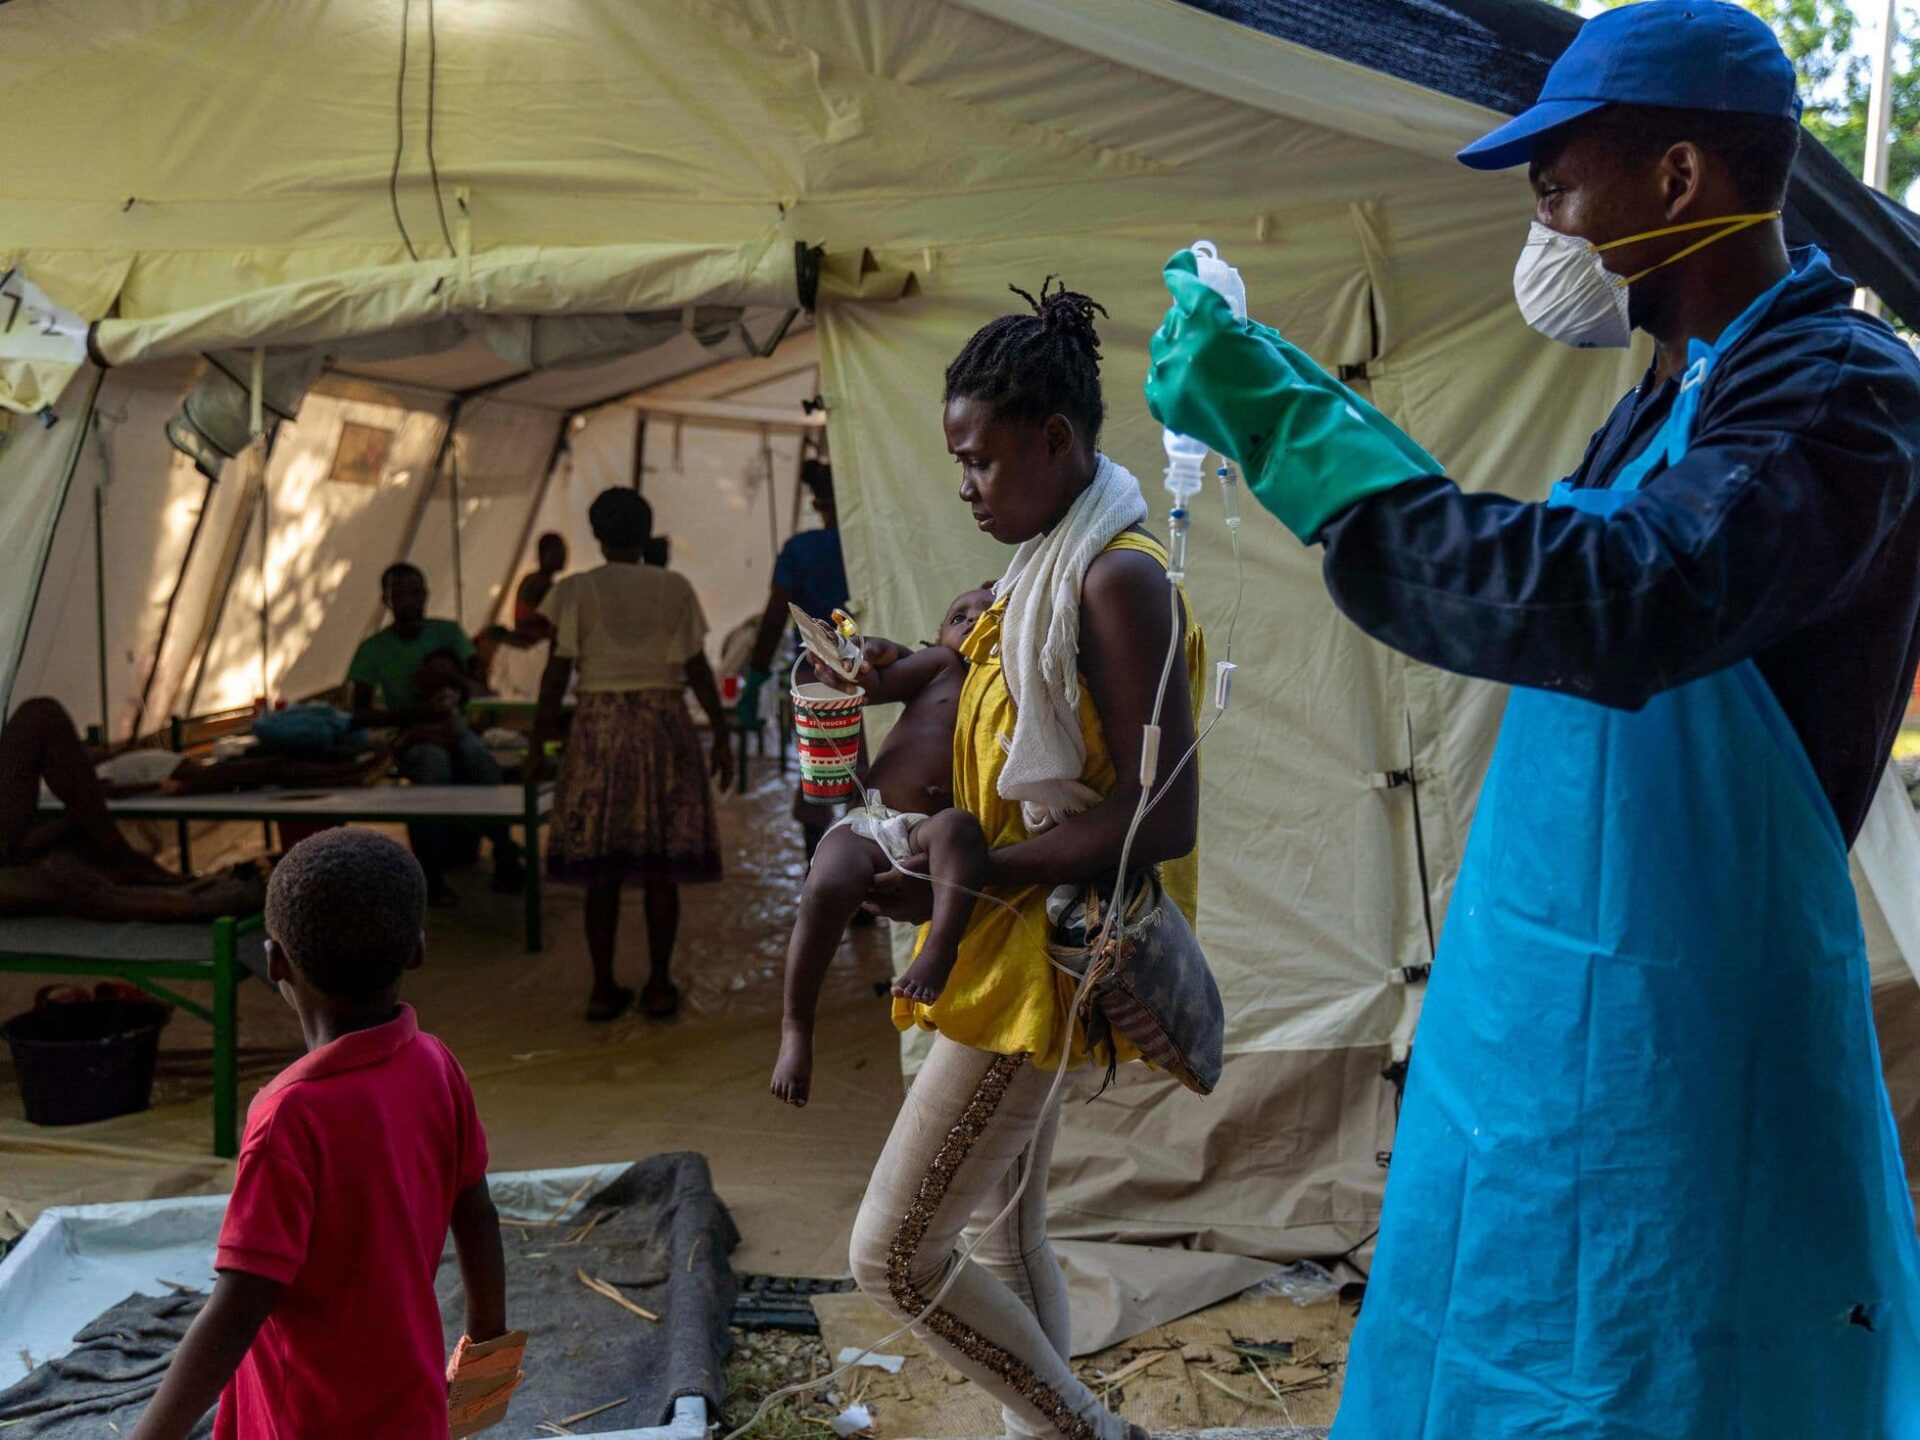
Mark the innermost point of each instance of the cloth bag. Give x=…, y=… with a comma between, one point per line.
x=1151, y=981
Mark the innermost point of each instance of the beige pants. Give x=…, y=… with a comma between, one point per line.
x=964, y=1138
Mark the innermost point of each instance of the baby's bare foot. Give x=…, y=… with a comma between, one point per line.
x=793, y=1072
x=925, y=978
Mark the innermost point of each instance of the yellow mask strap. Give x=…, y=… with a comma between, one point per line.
x=1722, y=226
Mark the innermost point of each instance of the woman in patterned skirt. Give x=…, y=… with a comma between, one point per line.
x=632, y=804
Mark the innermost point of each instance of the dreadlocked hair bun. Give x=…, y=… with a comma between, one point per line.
x=1045, y=362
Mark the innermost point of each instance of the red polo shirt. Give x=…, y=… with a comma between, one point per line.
x=346, y=1181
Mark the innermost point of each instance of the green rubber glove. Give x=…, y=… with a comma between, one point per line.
x=746, y=710
x=1308, y=446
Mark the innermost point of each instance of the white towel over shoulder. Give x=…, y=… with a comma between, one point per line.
x=1040, y=647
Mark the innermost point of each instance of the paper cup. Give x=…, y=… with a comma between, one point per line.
x=827, y=722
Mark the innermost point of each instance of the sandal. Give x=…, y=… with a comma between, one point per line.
x=660, y=1002
x=599, y=1012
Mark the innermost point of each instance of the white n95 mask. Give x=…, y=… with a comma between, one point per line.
x=1566, y=293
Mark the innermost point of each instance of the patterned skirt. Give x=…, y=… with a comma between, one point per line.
x=632, y=803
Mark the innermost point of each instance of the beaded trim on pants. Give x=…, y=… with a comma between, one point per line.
x=904, y=1247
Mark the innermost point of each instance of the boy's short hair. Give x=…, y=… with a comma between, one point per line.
x=348, y=906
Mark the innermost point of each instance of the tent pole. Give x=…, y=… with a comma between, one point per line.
x=166, y=615
x=266, y=607
x=639, y=451
x=230, y=560
x=46, y=544
x=100, y=599
x=1880, y=99
x=419, y=515
x=418, y=518
x=211, y=630
x=505, y=596
x=257, y=414
x=1879, y=121
x=453, y=500
x=773, y=494
x=799, y=469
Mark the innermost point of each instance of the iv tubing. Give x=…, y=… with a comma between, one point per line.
x=1117, y=908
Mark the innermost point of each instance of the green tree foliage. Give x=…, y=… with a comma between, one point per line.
x=1819, y=36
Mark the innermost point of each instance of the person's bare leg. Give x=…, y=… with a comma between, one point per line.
x=40, y=743
x=661, y=997
x=67, y=883
x=843, y=869
x=956, y=852
x=608, y=999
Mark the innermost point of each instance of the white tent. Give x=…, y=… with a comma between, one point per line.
x=217, y=592
x=184, y=180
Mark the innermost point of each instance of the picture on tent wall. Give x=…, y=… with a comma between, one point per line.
x=361, y=456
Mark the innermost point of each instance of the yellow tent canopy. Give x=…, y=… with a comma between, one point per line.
x=191, y=177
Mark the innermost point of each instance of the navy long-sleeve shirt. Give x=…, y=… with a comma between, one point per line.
x=1789, y=534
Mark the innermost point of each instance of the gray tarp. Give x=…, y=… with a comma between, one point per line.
x=662, y=1236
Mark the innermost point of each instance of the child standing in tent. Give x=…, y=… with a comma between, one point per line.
x=356, y=1161
x=908, y=819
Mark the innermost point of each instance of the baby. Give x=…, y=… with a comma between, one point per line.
x=910, y=814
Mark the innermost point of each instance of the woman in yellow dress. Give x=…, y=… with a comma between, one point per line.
x=1022, y=417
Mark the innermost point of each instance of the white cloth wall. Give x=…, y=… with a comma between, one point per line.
x=708, y=494
x=152, y=499
x=495, y=464
x=33, y=459
x=329, y=543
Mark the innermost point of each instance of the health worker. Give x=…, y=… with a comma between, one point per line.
x=1646, y=1181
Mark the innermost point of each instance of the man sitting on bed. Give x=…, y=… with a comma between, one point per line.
x=414, y=677
x=76, y=862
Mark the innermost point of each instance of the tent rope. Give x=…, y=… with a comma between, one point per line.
x=433, y=164
x=400, y=130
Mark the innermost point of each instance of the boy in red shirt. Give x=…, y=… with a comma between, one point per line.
x=357, y=1158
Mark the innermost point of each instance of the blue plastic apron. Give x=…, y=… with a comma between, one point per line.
x=1646, y=1184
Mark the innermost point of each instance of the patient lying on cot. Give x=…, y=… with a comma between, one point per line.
x=308, y=745
x=908, y=818
x=77, y=862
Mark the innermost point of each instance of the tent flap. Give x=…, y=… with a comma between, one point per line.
x=603, y=280
x=43, y=343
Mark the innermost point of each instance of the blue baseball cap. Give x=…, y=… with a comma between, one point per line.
x=1684, y=54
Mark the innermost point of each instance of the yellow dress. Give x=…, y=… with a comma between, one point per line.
x=1003, y=996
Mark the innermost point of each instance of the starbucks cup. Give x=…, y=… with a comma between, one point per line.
x=827, y=722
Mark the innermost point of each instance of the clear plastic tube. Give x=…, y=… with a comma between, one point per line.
x=1177, y=545
x=1230, y=496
